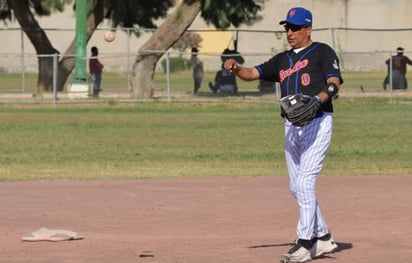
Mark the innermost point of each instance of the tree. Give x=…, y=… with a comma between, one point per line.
x=165, y=36
x=221, y=14
x=126, y=13
x=24, y=11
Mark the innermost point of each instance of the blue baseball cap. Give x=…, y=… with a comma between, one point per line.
x=298, y=16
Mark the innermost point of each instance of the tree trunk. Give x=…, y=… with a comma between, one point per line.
x=43, y=46
x=150, y=53
x=39, y=40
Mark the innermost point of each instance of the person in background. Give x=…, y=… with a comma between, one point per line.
x=197, y=67
x=95, y=70
x=225, y=82
x=399, y=63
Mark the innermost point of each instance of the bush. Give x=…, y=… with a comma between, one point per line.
x=176, y=64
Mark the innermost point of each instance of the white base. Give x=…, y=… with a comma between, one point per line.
x=78, y=91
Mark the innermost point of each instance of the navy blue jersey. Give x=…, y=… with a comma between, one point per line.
x=305, y=72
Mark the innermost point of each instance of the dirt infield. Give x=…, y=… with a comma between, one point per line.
x=226, y=220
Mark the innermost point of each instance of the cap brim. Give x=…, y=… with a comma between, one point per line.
x=284, y=22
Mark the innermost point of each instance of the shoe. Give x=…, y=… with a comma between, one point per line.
x=212, y=88
x=297, y=253
x=323, y=245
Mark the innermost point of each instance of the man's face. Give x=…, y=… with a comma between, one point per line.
x=298, y=36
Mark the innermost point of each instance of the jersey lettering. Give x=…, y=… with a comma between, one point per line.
x=288, y=72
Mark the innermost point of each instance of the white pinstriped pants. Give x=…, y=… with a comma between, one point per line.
x=305, y=150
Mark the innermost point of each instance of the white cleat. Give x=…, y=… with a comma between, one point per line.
x=323, y=245
x=296, y=254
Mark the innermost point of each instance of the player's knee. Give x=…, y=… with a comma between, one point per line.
x=304, y=186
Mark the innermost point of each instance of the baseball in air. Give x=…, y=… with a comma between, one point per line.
x=109, y=36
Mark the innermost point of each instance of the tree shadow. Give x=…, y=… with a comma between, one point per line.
x=271, y=245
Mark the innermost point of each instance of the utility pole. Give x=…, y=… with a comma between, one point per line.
x=80, y=83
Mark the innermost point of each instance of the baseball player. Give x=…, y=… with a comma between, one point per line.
x=310, y=77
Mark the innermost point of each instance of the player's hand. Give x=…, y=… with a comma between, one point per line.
x=231, y=65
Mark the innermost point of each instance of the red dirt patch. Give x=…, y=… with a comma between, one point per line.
x=226, y=220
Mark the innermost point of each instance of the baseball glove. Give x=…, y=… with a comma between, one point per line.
x=300, y=109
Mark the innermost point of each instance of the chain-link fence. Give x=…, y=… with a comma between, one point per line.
x=358, y=49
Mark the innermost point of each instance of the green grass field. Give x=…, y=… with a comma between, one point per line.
x=151, y=140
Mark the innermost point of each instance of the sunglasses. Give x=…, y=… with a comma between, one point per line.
x=293, y=28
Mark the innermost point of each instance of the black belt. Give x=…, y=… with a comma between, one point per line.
x=319, y=114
